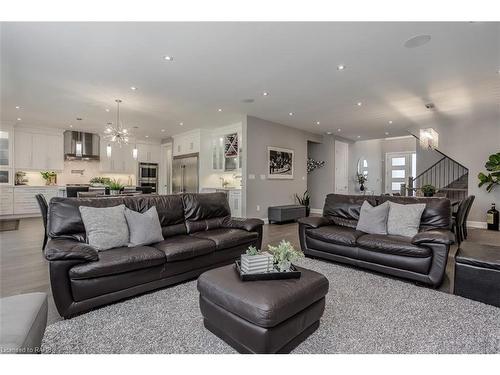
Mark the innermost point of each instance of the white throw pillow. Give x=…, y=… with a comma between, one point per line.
x=144, y=228
x=105, y=227
x=404, y=219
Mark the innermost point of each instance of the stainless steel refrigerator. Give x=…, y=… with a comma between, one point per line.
x=185, y=174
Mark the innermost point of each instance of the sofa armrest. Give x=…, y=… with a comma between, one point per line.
x=250, y=225
x=441, y=236
x=66, y=249
x=314, y=221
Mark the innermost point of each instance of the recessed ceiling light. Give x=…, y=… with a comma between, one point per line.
x=390, y=122
x=168, y=58
x=341, y=67
x=147, y=136
x=317, y=122
x=291, y=114
x=133, y=88
x=19, y=119
x=386, y=133
x=328, y=133
x=163, y=130
x=417, y=41
x=107, y=109
x=18, y=107
x=358, y=136
x=265, y=93
x=220, y=110
x=71, y=126
x=181, y=123
x=339, y=130
x=359, y=104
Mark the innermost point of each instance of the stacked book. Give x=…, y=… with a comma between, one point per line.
x=261, y=263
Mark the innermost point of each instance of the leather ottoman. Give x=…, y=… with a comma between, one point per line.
x=477, y=272
x=272, y=316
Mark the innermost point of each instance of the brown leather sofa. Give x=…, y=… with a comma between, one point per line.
x=199, y=234
x=422, y=258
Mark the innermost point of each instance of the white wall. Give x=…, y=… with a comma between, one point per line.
x=262, y=191
x=321, y=181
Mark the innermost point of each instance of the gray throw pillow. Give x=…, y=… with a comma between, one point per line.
x=404, y=219
x=144, y=228
x=106, y=227
x=373, y=220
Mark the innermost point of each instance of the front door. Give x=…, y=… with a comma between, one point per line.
x=341, y=167
x=398, y=167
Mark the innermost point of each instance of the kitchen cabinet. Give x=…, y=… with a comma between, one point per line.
x=187, y=143
x=38, y=151
x=6, y=164
x=121, y=160
x=6, y=200
x=221, y=163
x=234, y=197
x=148, y=153
x=25, y=203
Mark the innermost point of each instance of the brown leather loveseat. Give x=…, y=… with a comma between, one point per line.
x=422, y=258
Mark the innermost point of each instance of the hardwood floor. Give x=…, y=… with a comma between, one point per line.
x=23, y=268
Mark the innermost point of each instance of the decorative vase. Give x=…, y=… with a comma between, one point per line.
x=362, y=187
x=428, y=195
x=284, y=266
x=308, y=211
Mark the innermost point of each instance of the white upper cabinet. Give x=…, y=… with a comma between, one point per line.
x=6, y=148
x=229, y=141
x=148, y=153
x=121, y=160
x=186, y=143
x=38, y=150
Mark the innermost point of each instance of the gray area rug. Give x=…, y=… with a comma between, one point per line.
x=365, y=313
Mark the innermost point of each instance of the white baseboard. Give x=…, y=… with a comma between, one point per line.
x=316, y=211
x=477, y=224
x=266, y=220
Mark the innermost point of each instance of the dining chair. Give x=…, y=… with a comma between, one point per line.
x=89, y=194
x=44, y=208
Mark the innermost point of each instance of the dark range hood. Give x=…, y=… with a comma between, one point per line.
x=81, y=146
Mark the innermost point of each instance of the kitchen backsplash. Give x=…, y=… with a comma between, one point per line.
x=88, y=170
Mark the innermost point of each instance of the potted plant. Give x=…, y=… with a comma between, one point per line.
x=492, y=179
x=100, y=181
x=115, y=186
x=428, y=190
x=284, y=254
x=305, y=200
x=361, y=178
x=50, y=177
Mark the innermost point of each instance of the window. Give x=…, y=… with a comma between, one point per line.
x=398, y=173
x=396, y=186
x=398, y=162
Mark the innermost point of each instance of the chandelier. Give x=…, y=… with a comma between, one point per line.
x=117, y=134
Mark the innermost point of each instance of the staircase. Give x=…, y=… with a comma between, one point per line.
x=447, y=175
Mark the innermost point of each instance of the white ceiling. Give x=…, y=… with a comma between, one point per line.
x=57, y=72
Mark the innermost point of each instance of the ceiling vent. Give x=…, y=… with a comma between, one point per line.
x=430, y=106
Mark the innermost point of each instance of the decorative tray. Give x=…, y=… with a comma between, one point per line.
x=293, y=274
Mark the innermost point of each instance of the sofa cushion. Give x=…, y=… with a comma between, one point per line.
x=345, y=207
x=389, y=244
x=404, y=219
x=335, y=234
x=144, y=228
x=437, y=213
x=184, y=247
x=225, y=238
x=106, y=227
x=119, y=260
x=373, y=220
